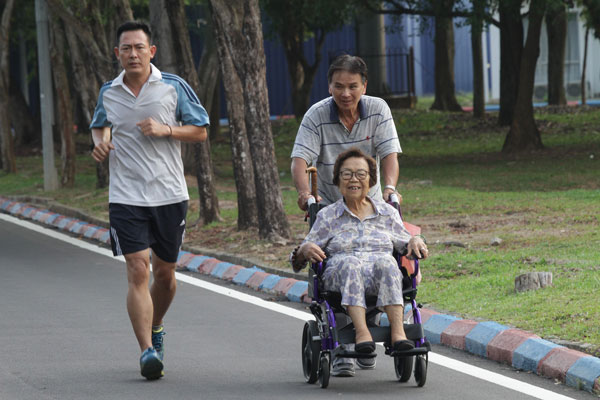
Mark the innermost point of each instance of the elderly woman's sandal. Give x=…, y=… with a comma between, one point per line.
x=365, y=347
x=403, y=345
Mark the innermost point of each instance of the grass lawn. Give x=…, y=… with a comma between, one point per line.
x=543, y=206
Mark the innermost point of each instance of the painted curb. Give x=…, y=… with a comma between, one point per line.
x=478, y=338
x=502, y=347
x=257, y=279
x=488, y=339
x=231, y=272
x=195, y=262
x=557, y=362
x=436, y=325
x=584, y=373
x=455, y=334
x=529, y=354
x=242, y=277
x=269, y=283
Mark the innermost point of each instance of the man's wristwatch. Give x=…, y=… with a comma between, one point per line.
x=391, y=187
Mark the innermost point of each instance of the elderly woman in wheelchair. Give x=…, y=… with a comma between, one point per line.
x=356, y=236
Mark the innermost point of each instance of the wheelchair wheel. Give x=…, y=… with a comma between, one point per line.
x=420, y=371
x=310, y=352
x=403, y=367
x=324, y=371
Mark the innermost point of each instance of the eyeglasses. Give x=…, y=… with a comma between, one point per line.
x=361, y=174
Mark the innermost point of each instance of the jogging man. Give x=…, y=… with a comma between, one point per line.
x=140, y=119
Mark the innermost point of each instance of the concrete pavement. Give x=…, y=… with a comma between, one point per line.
x=522, y=350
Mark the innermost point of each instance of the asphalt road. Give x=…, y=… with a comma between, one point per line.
x=65, y=334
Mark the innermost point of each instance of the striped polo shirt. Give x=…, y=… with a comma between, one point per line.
x=147, y=170
x=322, y=137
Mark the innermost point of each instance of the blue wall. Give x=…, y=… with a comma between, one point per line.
x=278, y=79
x=398, y=39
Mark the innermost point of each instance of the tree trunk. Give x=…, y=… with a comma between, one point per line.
x=511, y=46
x=25, y=123
x=208, y=73
x=209, y=203
x=96, y=39
x=244, y=42
x=164, y=58
x=370, y=44
x=556, y=27
x=8, y=160
x=64, y=111
x=123, y=10
x=215, y=109
x=523, y=134
x=87, y=86
x=91, y=33
x=445, y=98
x=243, y=170
x=477, y=50
x=584, y=67
x=301, y=72
x=186, y=69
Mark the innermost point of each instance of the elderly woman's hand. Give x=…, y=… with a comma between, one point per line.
x=417, y=247
x=311, y=252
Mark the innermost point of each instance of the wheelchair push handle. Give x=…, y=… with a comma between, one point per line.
x=312, y=172
x=395, y=202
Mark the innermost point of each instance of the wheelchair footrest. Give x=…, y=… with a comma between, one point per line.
x=343, y=353
x=406, y=353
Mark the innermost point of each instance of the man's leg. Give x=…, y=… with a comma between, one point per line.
x=163, y=288
x=140, y=309
x=139, y=302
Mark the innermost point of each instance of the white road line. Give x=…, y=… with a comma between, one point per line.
x=459, y=366
x=498, y=379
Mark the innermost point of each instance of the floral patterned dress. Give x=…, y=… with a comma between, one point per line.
x=359, y=253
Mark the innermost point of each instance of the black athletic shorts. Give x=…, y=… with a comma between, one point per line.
x=135, y=228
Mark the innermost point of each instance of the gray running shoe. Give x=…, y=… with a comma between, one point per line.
x=343, y=369
x=366, y=363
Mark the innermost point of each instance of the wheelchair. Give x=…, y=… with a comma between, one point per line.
x=325, y=338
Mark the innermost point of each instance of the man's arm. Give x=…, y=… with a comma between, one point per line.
x=300, y=178
x=189, y=133
x=102, y=143
x=390, y=171
x=185, y=133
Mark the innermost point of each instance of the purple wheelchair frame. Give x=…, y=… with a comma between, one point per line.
x=328, y=343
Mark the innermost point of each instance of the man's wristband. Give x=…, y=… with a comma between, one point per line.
x=391, y=187
x=170, y=131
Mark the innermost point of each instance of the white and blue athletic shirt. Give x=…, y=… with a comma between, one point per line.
x=147, y=171
x=322, y=137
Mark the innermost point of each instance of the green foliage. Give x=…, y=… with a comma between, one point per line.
x=306, y=17
x=591, y=13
